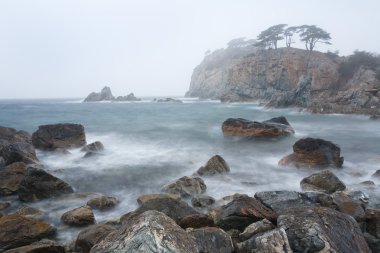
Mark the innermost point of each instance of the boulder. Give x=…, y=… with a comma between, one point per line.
x=372, y=219
x=11, y=177
x=145, y=197
x=130, y=97
x=216, y=165
x=212, y=240
x=196, y=221
x=29, y=212
x=275, y=241
x=274, y=127
x=17, y=231
x=240, y=213
x=96, y=146
x=104, y=95
x=10, y=135
x=90, y=236
x=150, y=231
x=38, y=184
x=103, y=203
x=347, y=205
x=324, y=181
x=319, y=229
x=4, y=205
x=256, y=228
x=373, y=242
x=376, y=174
x=313, y=153
x=19, y=152
x=51, y=137
x=80, y=216
x=202, y=201
x=186, y=186
x=39, y=247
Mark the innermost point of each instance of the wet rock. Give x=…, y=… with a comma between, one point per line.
x=29, y=212
x=372, y=219
x=227, y=199
x=150, y=231
x=319, y=229
x=376, y=174
x=175, y=209
x=216, y=165
x=313, y=153
x=145, y=197
x=39, y=247
x=324, y=181
x=240, y=213
x=4, y=205
x=322, y=199
x=19, y=152
x=169, y=100
x=38, y=184
x=280, y=201
x=11, y=177
x=256, y=228
x=10, y=135
x=348, y=206
x=373, y=242
x=251, y=129
x=103, y=202
x=96, y=146
x=80, y=216
x=202, y=201
x=130, y=97
x=2, y=161
x=275, y=241
x=104, y=95
x=186, y=186
x=17, y=231
x=196, y=221
x=368, y=183
x=212, y=240
x=51, y=137
x=90, y=236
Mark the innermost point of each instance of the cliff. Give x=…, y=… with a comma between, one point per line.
x=286, y=77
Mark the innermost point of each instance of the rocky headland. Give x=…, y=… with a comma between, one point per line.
x=288, y=77
x=106, y=95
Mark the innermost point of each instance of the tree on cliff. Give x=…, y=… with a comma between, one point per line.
x=288, y=33
x=311, y=34
x=271, y=36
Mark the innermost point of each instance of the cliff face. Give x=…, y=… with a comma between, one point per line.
x=285, y=77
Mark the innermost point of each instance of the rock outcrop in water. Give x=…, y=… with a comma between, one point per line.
x=106, y=95
x=286, y=77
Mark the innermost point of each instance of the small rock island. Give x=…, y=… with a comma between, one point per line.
x=106, y=95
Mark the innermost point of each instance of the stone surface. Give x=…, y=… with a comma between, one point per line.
x=347, y=205
x=256, y=228
x=80, y=216
x=215, y=165
x=11, y=177
x=150, y=231
x=130, y=97
x=376, y=174
x=313, y=153
x=186, y=186
x=169, y=100
x=212, y=240
x=90, y=236
x=104, y=95
x=38, y=184
x=17, y=231
x=196, y=221
x=252, y=129
x=10, y=135
x=51, y=137
x=275, y=241
x=103, y=202
x=202, y=201
x=4, y=205
x=324, y=181
x=145, y=197
x=96, y=146
x=19, y=152
x=372, y=219
x=43, y=246
x=322, y=229
x=29, y=212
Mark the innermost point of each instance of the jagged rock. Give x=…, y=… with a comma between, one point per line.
x=215, y=165
x=129, y=97
x=104, y=95
x=256, y=228
x=145, y=197
x=10, y=135
x=376, y=174
x=324, y=181
x=275, y=241
x=212, y=240
x=11, y=177
x=320, y=229
x=80, y=216
x=39, y=247
x=103, y=202
x=175, y=209
x=202, y=201
x=196, y=221
x=19, y=152
x=186, y=186
x=51, y=137
x=313, y=153
x=38, y=184
x=240, y=213
x=29, y=212
x=150, y=231
x=90, y=236
x=251, y=129
x=96, y=146
x=322, y=199
x=347, y=205
x=169, y=100
x=17, y=231
x=372, y=219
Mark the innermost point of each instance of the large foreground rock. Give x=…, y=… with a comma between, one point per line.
x=50, y=137
x=11, y=177
x=186, y=186
x=90, y=236
x=104, y=95
x=215, y=165
x=274, y=127
x=322, y=230
x=313, y=153
x=18, y=152
x=17, y=231
x=324, y=181
x=43, y=246
x=38, y=184
x=150, y=231
x=212, y=240
x=10, y=135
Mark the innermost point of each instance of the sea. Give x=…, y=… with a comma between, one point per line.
x=149, y=144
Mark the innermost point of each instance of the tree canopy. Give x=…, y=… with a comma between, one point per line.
x=311, y=34
x=271, y=36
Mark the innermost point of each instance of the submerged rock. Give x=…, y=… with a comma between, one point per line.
x=90, y=236
x=186, y=186
x=29, y=212
x=103, y=202
x=216, y=165
x=104, y=95
x=324, y=181
x=212, y=240
x=313, y=153
x=19, y=152
x=274, y=127
x=80, y=216
x=96, y=146
x=169, y=100
x=11, y=177
x=51, y=137
x=150, y=231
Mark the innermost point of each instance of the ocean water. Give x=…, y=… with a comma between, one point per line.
x=149, y=144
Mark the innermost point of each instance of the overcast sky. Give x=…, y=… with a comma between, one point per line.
x=68, y=48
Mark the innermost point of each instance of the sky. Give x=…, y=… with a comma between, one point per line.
x=69, y=48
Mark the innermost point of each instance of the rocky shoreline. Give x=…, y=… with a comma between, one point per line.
x=324, y=217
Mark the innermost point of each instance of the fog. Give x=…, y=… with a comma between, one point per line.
x=54, y=49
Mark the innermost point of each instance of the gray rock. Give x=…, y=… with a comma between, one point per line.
x=186, y=186
x=169, y=100
x=212, y=240
x=42, y=246
x=150, y=231
x=256, y=228
x=202, y=201
x=275, y=241
x=96, y=146
x=324, y=181
x=80, y=216
x=2, y=161
x=10, y=135
x=19, y=152
x=104, y=95
x=216, y=165
x=347, y=205
x=376, y=174
x=90, y=236
x=11, y=177
x=130, y=97
x=103, y=202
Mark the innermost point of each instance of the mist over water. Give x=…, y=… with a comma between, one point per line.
x=149, y=144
